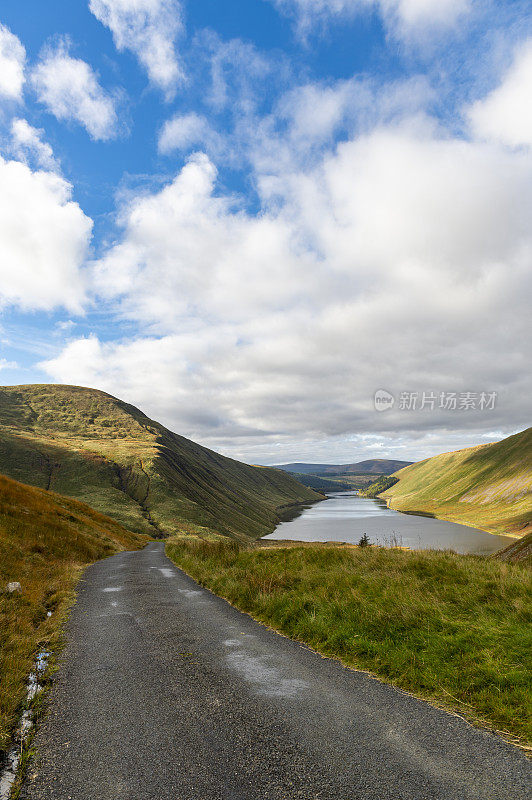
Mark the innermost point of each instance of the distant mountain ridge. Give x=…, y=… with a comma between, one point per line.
x=488, y=487
x=86, y=444
x=373, y=466
x=321, y=484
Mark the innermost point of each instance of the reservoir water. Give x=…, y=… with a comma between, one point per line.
x=345, y=517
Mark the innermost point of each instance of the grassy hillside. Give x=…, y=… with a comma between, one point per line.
x=380, y=485
x=453, y=629
x=488, y=487
x=44, y=540
x=88, y=445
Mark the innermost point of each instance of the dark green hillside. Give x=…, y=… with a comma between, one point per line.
x=321, y=484
x=86, y=444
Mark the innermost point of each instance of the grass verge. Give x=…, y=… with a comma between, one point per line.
x=45, y=541
x=452, y=629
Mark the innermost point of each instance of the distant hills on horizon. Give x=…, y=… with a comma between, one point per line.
x=373, y=466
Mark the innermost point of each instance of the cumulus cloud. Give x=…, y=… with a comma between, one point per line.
x=403, y=17
x=12, y=60
x=70, y=90
x=149, y=28
x=505, y=115
x=44, y=237
x=309, y=118
x=202, y=248
x=393, y=262
x=187, y=131
x=27, y=143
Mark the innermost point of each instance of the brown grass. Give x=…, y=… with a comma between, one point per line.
x=45, y=541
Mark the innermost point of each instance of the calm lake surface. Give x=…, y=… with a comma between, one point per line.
x=345, y=517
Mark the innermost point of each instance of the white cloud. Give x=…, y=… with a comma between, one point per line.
x=311, y=117
x=12, y=60
x=64, y=327
x=70, y=90
x=5, y=364
x=505, y=115
x=44, y=237
x=395, y=261
x=414, y=13
x=186, y=131
x=149, y=28
x=239, y=72
x=403, y=17
x=27, y=142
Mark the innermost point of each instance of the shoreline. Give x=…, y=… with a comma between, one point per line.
x=432, y=515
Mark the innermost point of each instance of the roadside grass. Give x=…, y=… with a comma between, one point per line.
x=452, y=629
x=45, y=541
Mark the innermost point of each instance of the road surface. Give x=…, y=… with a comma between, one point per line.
x=168, y=693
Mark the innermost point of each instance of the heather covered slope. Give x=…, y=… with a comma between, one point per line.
x=487, y=487
x=86, y=444
x=44, y=540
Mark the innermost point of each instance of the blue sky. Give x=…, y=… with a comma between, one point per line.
x=248, y=217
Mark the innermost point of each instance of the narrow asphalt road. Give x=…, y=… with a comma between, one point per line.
x=166, y=692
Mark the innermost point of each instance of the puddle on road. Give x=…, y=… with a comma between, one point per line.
x=260, y=673
x=167, y=572
x=190, y=593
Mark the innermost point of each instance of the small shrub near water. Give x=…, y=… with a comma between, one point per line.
x=454, y=629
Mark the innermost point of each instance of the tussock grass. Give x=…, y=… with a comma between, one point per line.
x=45, y=540
x=449, y=628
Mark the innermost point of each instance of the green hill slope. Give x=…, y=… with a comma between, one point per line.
x=487, y=487
x=86, y=444
x=44, y=540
